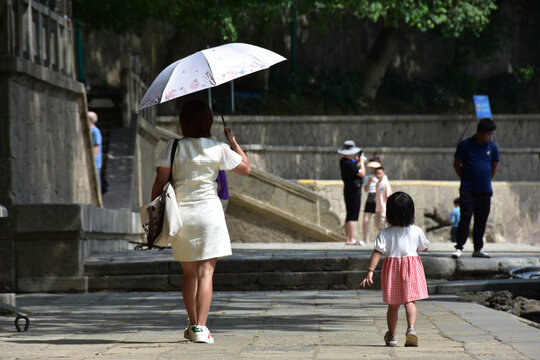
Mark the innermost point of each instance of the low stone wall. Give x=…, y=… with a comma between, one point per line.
x=514, y=217
x=52, y=241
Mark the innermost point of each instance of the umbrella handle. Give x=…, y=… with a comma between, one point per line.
x=222, y=119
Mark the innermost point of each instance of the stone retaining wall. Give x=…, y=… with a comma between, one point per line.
x=412, y=147
x=52, y=242
x=46, y=155
x=45, y=147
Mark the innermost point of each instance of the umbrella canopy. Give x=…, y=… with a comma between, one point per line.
x=206, y=69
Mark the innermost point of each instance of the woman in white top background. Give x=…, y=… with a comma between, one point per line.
x=204, y=236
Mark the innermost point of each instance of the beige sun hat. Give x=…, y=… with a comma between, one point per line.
x=374, y=164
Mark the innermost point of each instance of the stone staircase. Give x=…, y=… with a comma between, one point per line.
x=118, y=149
x=106, y=104
x=245, y=270
x=307, y=266
x=266, y=208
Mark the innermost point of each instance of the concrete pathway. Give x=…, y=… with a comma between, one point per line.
x=260, y=325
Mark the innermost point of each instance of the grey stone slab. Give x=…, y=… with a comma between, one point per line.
x=266, y=325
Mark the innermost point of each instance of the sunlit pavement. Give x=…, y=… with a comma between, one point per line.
x=260, y=325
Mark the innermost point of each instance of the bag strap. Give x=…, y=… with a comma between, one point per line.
x=173, y=153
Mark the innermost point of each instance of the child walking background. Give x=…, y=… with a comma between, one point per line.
x=454, y=220
x=402, y=276
x=382, y=192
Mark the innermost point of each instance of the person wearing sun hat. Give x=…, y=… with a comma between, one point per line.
x=352, y=172
x=370, y=186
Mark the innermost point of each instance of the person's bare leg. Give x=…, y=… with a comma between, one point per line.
x=392, y=318
x=205, y=273
x=189, y=289
x=410, y=336
x=349, y=232
x=365, y=225
x=410, y=310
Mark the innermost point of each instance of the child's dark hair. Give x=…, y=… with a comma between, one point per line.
x=456, y=201
x=400, y=209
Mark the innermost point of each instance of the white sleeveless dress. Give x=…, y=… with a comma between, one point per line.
x=204, y=234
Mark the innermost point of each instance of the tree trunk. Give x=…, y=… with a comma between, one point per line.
x=377, y=61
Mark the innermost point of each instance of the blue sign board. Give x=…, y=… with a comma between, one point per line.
x=481, y=105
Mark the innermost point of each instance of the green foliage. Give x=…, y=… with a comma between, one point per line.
x=452, y=17
x=195, y=16
x=527, y=73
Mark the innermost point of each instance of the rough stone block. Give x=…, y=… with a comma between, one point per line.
x=507, y=264
x=360, y=263
x=238, y=265
x=44, y=258
x=9, y=299
x=454, y=287
x=131, y=283
x=52, y=284
x=301, y=280
x=438, y=268
x=127, y=268
x=237, y=281
x=477, y=266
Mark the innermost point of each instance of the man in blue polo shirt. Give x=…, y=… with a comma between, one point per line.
x=475, y=161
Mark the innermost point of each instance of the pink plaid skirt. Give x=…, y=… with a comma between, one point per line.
x=403, y=280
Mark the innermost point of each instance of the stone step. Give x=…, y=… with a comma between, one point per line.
x=279, y=270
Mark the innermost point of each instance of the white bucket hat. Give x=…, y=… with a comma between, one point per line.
x=349, y=148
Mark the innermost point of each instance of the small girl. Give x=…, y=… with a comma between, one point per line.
x=382, y=192
x=402, y=277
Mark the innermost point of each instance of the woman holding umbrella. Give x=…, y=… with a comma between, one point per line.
x=204, y=236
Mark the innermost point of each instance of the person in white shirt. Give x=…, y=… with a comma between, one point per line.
x=403, y=280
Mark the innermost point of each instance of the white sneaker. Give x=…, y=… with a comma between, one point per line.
x=456, y=254
x=481, y=254
x=202, y=334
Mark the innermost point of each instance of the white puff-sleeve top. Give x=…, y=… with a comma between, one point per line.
x=398, y=241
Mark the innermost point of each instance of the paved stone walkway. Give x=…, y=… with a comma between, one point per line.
x=260, y=325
